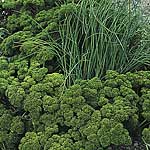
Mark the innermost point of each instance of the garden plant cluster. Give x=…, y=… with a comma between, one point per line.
x=74, y=75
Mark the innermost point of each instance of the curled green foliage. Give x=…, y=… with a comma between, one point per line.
x=17, y=126
x=38, y=110
x=10, y=4
x=91, y=114
x=37, y=50
x=90, y=89
x=112, y=132
x=146, y=107
x=11, y=129
x=39, y=73
x=119, y=110
x=50, y=104
x=13, y=4
x=59, y=142
x=146, y=135
x=30, y=142
x=10, y=45
x=54, y=84
x=3, y=86
x=66, y=9
x=33, y=2
x=3, y=63
x=33, y=104
x=15, y=95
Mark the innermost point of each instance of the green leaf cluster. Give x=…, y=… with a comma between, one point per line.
x=38, y=110
x=41, y=113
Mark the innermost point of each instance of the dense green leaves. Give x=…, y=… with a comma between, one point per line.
x=89, y=115
x=47, y=44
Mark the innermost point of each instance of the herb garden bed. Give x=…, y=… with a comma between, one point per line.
x=74, y=75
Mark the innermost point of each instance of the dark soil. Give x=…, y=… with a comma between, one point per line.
x=136, y=146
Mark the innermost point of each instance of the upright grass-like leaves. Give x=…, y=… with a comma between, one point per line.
x=101, y=35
